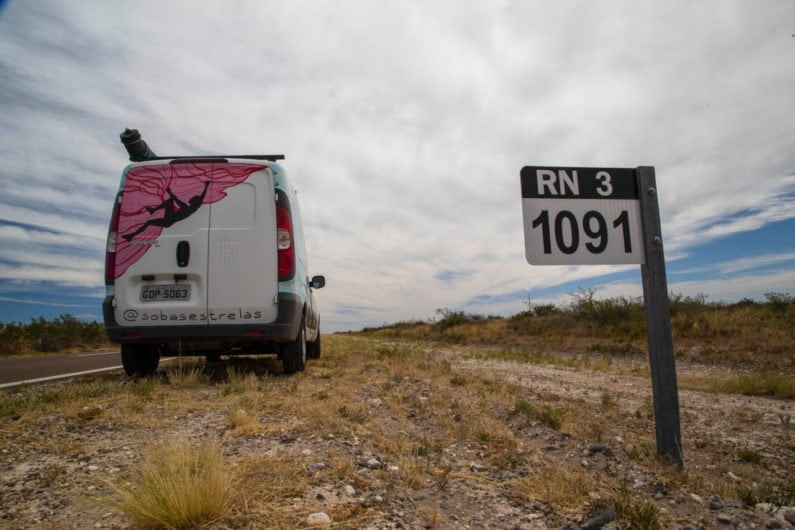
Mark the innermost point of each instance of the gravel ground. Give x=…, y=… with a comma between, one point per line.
x=55, y=466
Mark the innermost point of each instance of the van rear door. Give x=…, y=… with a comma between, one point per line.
x=161, y=246
x=243, y=263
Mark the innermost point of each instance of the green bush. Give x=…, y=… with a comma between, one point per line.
x=12, y=339
x=780, y=302
x=449, y=318
x=605, y=311
x=63, y=333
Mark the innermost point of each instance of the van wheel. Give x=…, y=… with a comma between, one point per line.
x=139, y=360
x=294, y=354
x=313, y=348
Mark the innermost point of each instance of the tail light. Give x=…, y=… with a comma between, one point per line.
x=110, y=250
x=285, y=243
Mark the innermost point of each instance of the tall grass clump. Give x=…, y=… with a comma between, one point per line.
x=565, y=486
x=185, y=374
x=239, y=380
x=636, y=511
x=178, y=486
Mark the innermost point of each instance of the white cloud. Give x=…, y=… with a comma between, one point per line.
x=405, y=123
x=723, y=289
x=17, y=236
x=62, y=276
x=40, y=302
x=743, y=264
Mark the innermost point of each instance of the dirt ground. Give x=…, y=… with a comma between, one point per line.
x=385, y=435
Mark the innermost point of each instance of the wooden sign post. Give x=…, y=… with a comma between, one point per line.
x=658, y=323
x=589, y=216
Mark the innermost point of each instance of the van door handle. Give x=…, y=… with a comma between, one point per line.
x=183, y=253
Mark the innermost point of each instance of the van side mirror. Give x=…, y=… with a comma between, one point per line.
x=317, y=282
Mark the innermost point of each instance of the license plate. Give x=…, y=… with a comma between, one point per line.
x=165, y=293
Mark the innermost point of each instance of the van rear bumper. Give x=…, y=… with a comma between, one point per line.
x=283, y=329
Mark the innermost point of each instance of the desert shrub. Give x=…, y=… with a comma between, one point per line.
x=449, y=318
x=745, y=302
x=689, y=305
x=12, y=339
x=780, y=302
x=395, y=326
x=543, y=310
x=41, y=335
x=750, y=456
x=620, y=314
x=538, y=310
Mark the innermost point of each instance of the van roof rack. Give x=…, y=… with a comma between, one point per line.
x=140, y=152
x=271, y=158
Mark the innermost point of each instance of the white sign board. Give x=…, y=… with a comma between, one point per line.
x=581, y=216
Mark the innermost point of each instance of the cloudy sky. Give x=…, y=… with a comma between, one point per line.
x=405, y=125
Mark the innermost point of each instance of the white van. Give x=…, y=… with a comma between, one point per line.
x=206, y=256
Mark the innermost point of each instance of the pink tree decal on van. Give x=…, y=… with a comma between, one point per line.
x=156, y=197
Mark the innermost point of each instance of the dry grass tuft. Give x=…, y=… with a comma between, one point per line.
x=566, y=487
x=178, y=486
x=415, y=470
x=186, y=374
x=548, y=415
x=267, y=490
x=240, y=380
x=635, y=511
x=344, y=469
x=243, y=420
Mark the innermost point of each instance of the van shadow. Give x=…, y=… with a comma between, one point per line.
x=218, y=372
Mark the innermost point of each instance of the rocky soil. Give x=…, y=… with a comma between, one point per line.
x=55, y=464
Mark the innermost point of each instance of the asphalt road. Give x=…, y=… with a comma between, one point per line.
x=36, y=369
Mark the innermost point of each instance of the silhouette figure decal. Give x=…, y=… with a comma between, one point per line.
x=175, y=210
x=150, y=189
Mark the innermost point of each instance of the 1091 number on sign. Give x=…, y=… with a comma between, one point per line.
x=598, y=236
x=589, y=231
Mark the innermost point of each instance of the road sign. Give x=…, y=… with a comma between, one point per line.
x=585, y=216
x=581, y=216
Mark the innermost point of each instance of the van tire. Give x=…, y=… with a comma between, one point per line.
x=139, y=360
x=313, y=348
x=294, y=354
